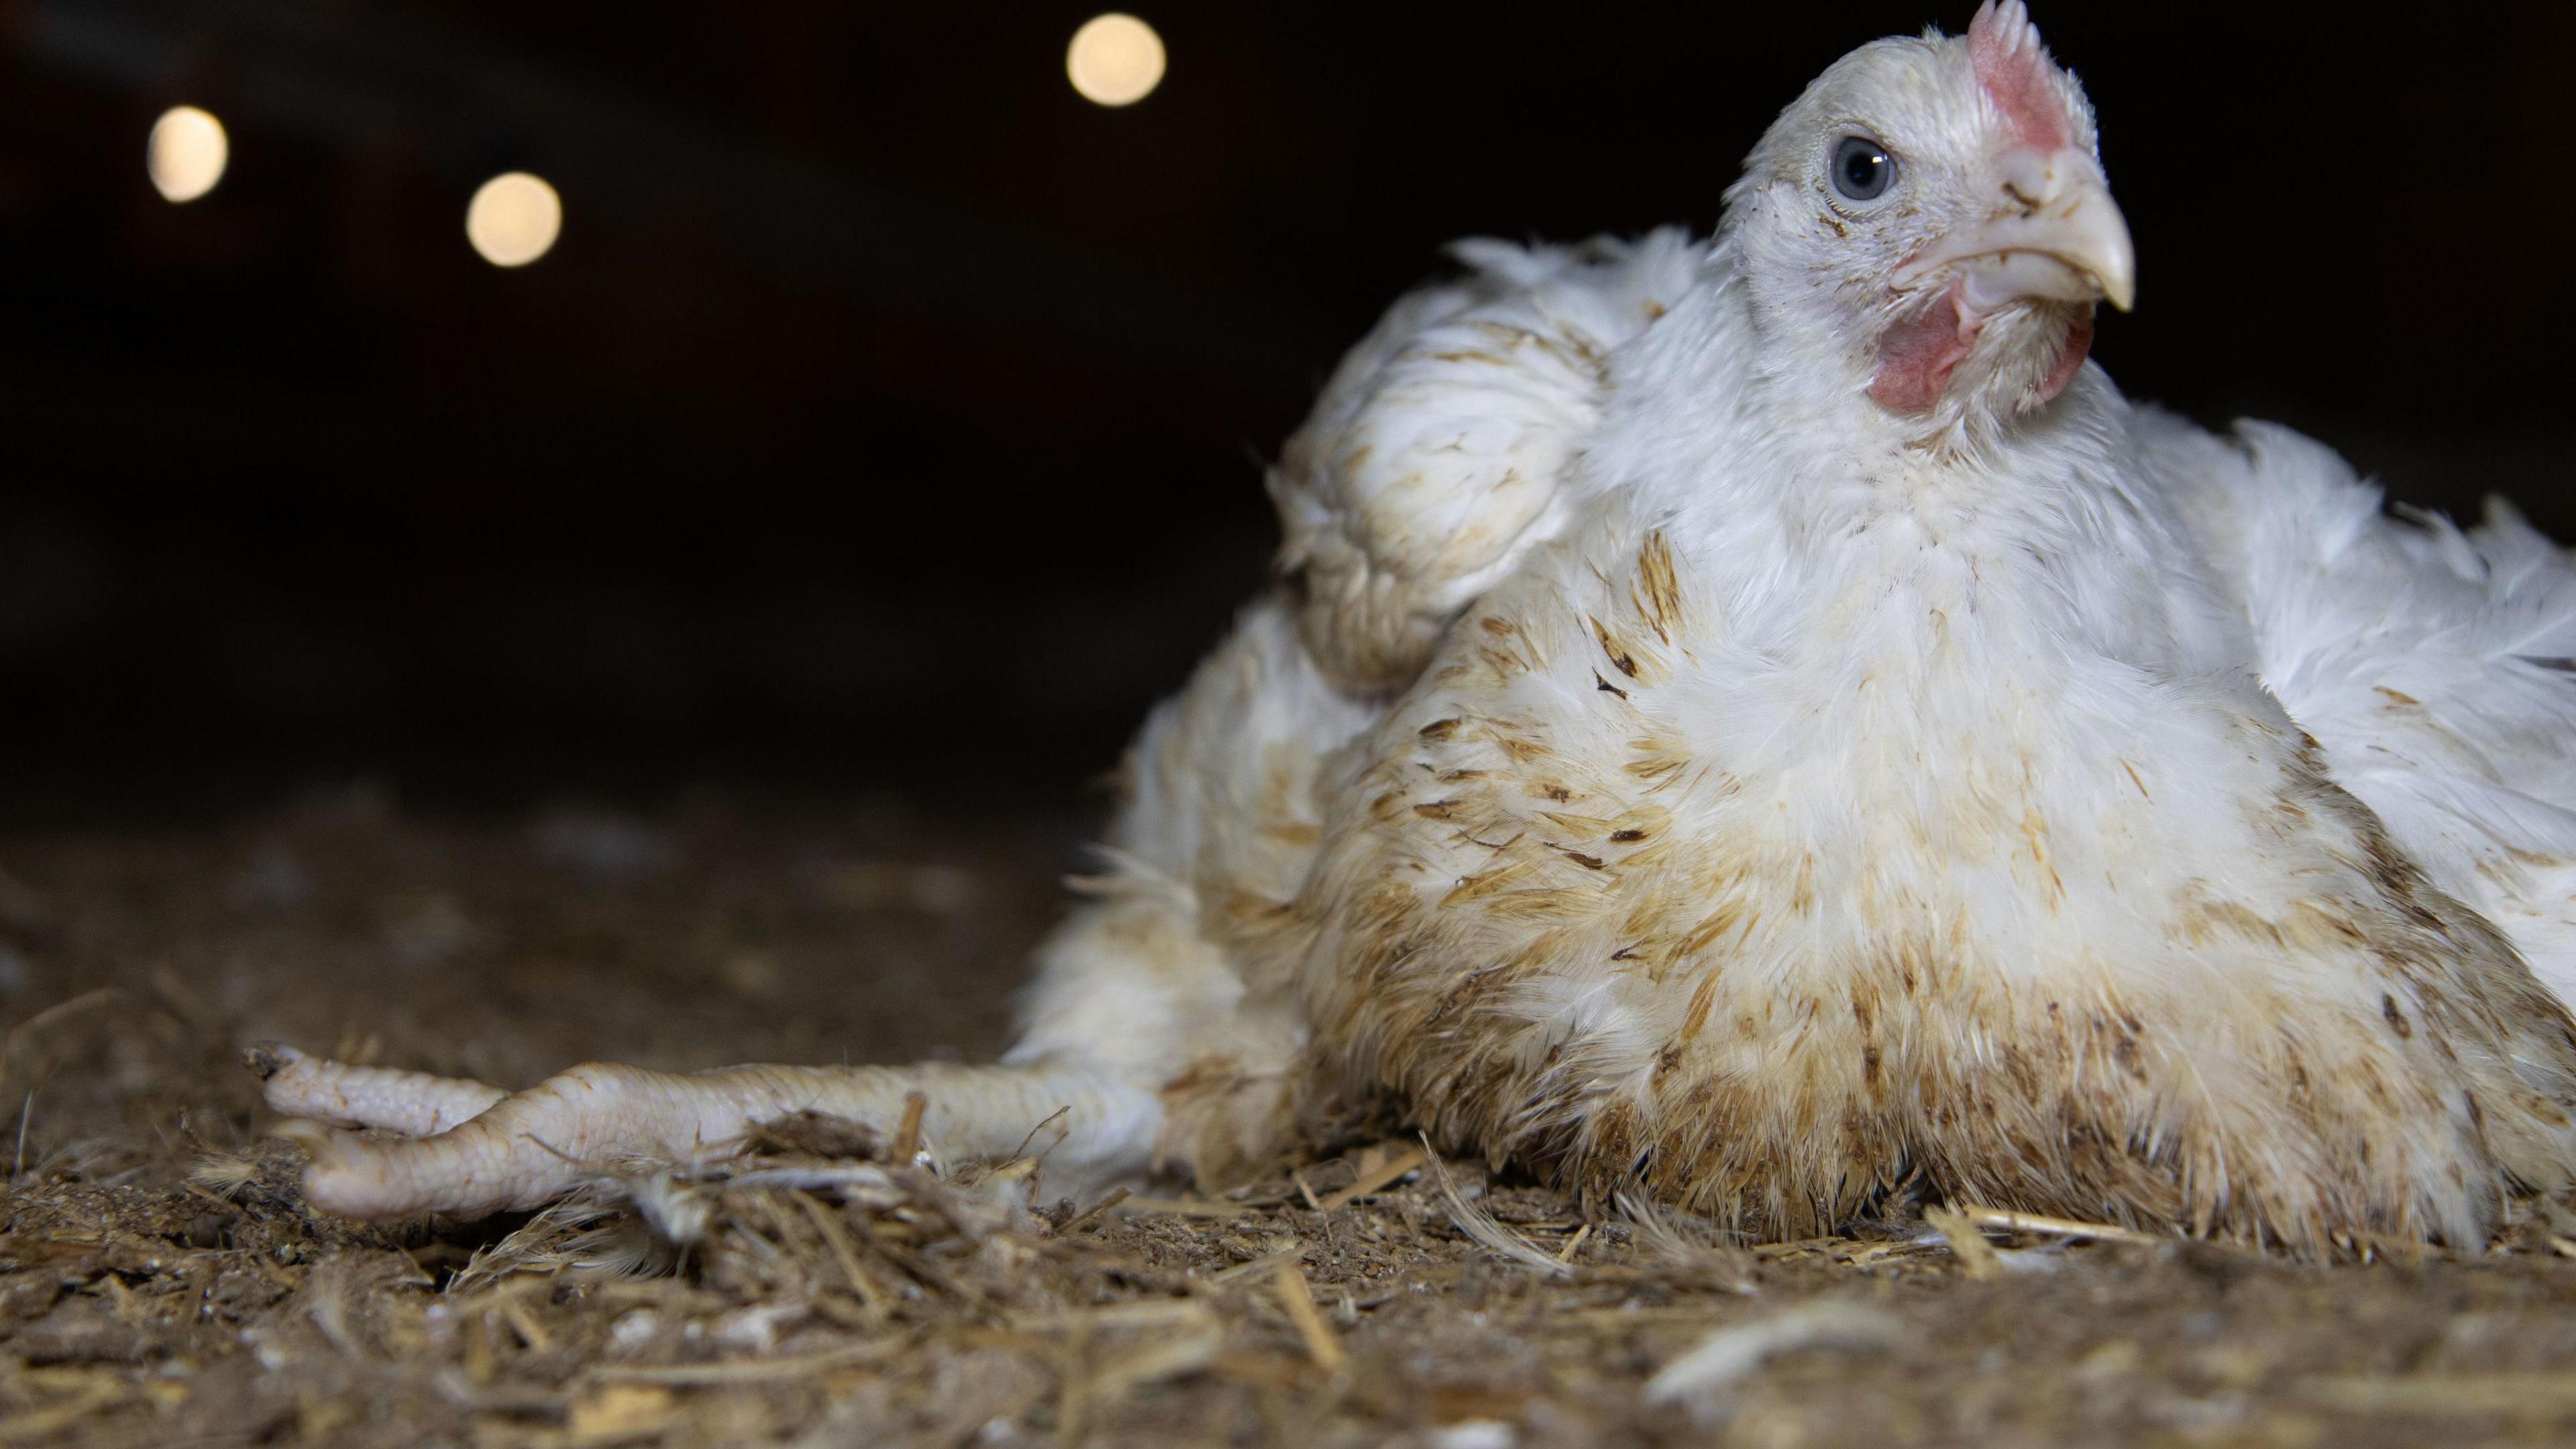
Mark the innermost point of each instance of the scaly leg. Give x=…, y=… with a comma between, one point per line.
x=525, y=1149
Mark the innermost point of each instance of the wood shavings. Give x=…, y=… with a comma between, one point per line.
x=1373, y=1178
x=1087, y=1216
x=622, y=1410
x=1164, y=1358
x=1195, y=1207
x=907, y=1134
x=2019, y=1222
x=1802, y=1247
x=52, y=1419
x=1700, y=1377
x=1299, y=1300
x=2542, y=1395
x=1146, y=1313
x=758, y=1370
x=836, y=1237
x=1258, y=1267
x=1976, y=1256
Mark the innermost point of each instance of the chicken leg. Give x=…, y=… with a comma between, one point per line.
x=470, y=1149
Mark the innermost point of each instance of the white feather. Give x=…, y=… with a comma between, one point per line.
x=2432, y=664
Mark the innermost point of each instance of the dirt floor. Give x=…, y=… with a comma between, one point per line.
x=161, y=1283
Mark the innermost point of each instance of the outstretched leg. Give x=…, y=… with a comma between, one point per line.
x=523, y=1150
x=1141, y=1027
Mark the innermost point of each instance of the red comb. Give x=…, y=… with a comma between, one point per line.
x=2013, y=67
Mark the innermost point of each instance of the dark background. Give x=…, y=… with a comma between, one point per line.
x=887, y=413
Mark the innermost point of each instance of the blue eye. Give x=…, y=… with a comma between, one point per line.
x=1862, y=168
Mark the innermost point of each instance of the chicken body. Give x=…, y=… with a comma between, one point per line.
x=1748, y=720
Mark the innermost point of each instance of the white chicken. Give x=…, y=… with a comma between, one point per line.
x=1748, y=720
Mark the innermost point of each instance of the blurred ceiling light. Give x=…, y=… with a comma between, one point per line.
x=1115, y=60
x=514, y=219
x=186, y=154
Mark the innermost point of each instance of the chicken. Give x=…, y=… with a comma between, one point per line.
x=1745, y=721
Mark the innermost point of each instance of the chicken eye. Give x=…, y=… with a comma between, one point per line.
x=1862, y=168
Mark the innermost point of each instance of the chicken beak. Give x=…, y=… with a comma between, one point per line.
x=2059, y=236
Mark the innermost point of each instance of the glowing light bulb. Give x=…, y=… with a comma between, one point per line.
x=1115, y=60
x=514, y=219
x=186, y=153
